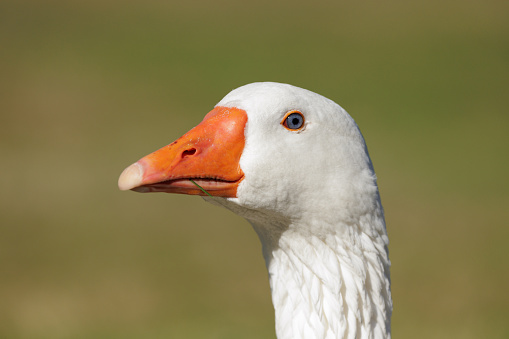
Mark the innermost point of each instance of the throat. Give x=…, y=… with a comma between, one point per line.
x=333, y=285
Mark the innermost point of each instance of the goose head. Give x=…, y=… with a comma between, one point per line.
x=295, y=165
x=279, y=150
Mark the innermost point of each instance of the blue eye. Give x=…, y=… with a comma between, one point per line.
x=294, y=120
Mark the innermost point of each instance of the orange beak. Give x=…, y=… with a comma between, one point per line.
x=208, y=154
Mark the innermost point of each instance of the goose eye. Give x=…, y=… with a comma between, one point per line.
x=293, y=121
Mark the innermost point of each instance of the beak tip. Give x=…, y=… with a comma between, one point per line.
x=131, y=177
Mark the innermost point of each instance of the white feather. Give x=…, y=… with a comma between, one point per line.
x=313, y=199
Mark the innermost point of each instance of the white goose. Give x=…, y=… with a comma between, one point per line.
x=295, y=165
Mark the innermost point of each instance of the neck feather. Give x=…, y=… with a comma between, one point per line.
x=329, y=284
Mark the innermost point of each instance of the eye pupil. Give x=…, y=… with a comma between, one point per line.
x=294, y=121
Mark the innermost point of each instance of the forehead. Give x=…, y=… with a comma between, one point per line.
x=269, y=102
x=271, y=97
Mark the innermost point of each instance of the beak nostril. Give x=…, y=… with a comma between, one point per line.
x=188, y=152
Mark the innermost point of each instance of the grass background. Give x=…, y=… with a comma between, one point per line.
x=88, y=87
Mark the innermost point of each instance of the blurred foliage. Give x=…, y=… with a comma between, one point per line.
x=88, y=87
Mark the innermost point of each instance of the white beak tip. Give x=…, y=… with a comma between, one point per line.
x=131, y=177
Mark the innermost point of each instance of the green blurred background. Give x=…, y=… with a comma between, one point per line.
x=88, y=87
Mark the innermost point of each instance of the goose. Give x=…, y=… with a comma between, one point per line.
x=296, y=166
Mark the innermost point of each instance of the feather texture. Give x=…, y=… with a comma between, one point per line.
x=313, y=200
